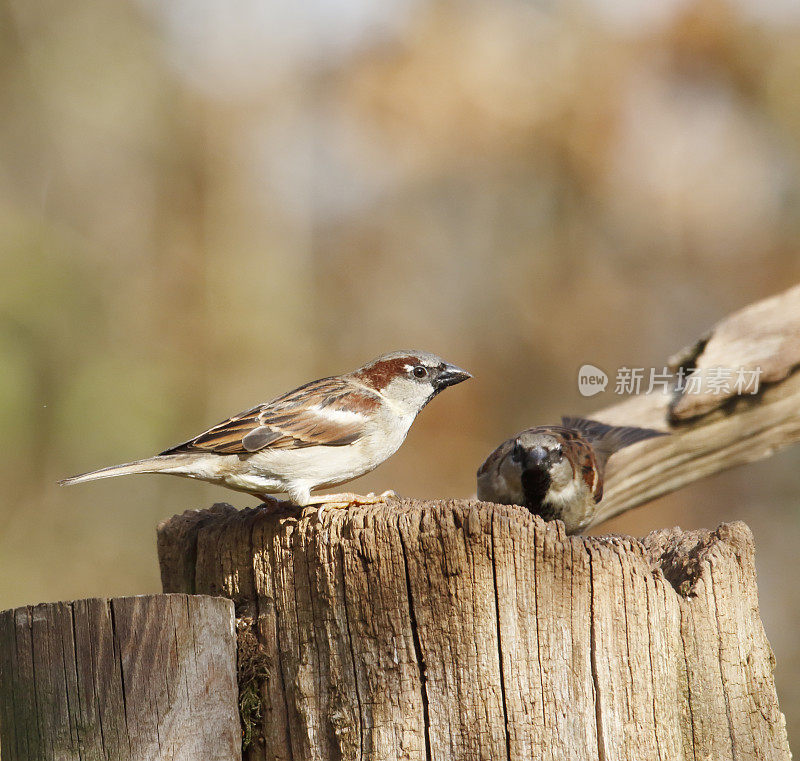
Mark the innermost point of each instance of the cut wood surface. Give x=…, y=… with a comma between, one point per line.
x=130, y=679
x=462, y=630
x=714, y=427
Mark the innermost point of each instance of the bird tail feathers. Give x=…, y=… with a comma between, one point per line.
x=149, y=465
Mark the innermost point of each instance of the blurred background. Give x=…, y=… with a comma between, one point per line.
x=206, y=203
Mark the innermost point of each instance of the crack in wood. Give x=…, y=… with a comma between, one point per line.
x=723, y=681
x=500, y=642
x=536, y=592
x=117, y=654
x=320, y=672
x=598, y=703
x=688, y=687
x=426, y=723
x=352, y=654
x=279, y=650
x=655, y=716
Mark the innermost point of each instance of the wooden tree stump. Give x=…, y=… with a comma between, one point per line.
x=130, y=679
x=463, y=630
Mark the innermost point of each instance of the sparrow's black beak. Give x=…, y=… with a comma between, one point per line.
x=537, y=456
x=529, y=457
x=449, y=375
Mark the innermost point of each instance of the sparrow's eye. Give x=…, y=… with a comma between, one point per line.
x=419, y=371
x=557, y=453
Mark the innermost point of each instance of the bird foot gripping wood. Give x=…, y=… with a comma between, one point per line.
x=345, y=500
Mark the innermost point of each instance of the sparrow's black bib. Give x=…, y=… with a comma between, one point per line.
x=535, y=485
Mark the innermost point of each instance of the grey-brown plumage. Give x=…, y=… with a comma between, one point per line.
x=556, y=471
x=324, y=433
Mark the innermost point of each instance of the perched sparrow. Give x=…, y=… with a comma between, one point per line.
x=556, y=471
x=322, y=434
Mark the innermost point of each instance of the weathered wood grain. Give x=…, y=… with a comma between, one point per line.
x=463, y=630
x=712, y=429
x=129, y=679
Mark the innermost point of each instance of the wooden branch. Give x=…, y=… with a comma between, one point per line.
x=712, y=431
x=462, y=630
x=127, y=679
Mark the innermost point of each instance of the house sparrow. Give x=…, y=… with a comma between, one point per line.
x=322, y=434
x=556, y=471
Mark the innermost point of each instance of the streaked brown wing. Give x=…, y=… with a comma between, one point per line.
x=329, y=412
x=608, y=439
x=492, y=462
x=584, y=459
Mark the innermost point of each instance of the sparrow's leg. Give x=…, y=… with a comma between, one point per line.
x=268, y=500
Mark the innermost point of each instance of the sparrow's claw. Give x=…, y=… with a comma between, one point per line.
x=348, y=499
x=369, y=499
